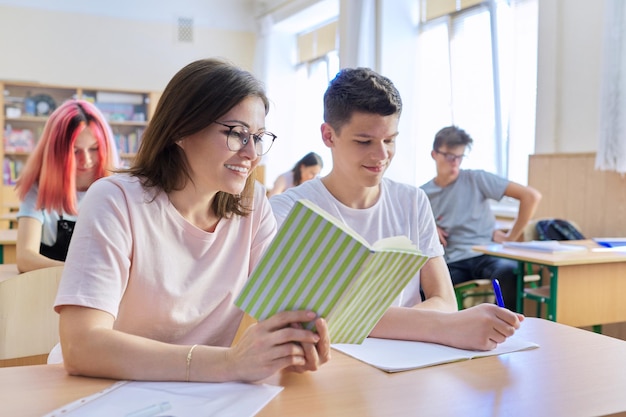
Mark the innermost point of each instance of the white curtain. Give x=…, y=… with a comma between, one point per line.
x=611, y=154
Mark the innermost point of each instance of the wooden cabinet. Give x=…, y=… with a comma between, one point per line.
x=26, y=106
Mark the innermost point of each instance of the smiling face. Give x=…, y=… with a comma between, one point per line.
x=87, y=159
x=213, y=166
x=363, y=148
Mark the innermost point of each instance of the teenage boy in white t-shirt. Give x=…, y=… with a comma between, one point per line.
x=361, y=114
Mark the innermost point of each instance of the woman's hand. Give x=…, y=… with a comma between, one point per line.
x=315, y=354
x=279, y=343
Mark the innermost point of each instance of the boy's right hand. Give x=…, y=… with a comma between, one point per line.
x=482, y=327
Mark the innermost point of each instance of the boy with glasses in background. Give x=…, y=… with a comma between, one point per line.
x=460, y=204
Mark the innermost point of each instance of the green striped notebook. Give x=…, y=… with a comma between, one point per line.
x=317, y=263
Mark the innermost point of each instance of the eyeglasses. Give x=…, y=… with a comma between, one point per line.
x=450, y=157
x=238, y=137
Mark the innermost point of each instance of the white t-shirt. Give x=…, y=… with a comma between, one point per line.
x=401, y=210
x=134, y=256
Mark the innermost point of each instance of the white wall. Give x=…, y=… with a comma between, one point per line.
x=133, y=47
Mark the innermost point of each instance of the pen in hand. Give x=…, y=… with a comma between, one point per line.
x=497, y=292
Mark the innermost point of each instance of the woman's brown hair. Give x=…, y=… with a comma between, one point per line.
x=198, y=95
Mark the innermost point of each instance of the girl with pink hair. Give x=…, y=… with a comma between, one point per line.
x=75, y=149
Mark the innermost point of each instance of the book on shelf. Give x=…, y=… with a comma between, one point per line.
x=402, y=355
x=18, y=140
x=549, y=246
x=318, y=263
x=11, y=170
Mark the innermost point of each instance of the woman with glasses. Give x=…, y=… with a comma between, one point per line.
x=162, y=249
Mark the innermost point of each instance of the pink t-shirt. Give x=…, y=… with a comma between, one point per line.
x=135, y=257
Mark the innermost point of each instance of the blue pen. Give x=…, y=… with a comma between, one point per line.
x=497, y=292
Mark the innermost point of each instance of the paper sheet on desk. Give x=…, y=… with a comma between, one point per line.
x=401, y=355
x=550, y=246
x=187, y=399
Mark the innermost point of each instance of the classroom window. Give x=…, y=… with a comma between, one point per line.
x=478, y=71
x=313, y=78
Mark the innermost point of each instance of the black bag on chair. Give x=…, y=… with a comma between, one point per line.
x=557, y=229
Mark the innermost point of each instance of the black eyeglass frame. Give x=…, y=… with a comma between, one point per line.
x=450, y=157
x=258, y=138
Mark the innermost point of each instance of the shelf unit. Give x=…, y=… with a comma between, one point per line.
x=25, y=107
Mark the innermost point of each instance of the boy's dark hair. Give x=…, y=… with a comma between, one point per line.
x=451, y=137
x=359, y=90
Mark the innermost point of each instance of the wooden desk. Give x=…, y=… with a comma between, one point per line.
x=574, y=373
x=8, y=240
x=588, y=286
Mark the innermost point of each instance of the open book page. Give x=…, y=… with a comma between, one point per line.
x=550, y=246
x=326, y=216
x=401, y=355
x=394, y=243
x=315, y=264
x=182, y=399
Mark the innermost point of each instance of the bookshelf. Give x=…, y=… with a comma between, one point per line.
x=25, y=107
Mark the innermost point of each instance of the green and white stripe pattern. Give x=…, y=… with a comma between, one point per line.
x=317, y=263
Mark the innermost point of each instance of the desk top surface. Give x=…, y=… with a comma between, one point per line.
x=574, y=372
x=556, y=258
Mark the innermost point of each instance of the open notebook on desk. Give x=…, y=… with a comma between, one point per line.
x=401, y=355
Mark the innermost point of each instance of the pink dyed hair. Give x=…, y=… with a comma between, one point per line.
x=52, y=165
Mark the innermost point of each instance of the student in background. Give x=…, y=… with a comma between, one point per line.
x=75, y=149
x=361, y=115
x=161, y=249
x=304, y=170
x=460, y=203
